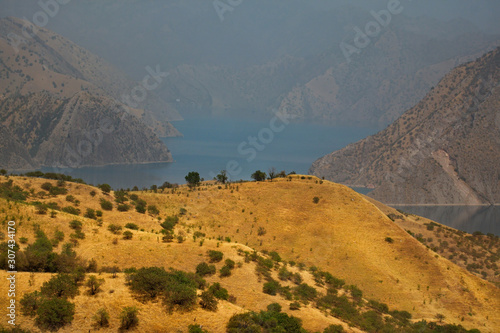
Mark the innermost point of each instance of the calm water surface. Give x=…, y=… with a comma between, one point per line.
x=467, y=218
x=211, y=145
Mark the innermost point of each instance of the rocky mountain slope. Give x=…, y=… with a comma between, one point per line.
x=445, y=150
x=374, y=88
x=42, y=80
x=338, y=260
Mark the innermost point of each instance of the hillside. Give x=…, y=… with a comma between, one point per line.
x=341, y=233
x=445, y=150
x=50, y=70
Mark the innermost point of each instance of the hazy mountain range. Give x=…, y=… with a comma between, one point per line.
x=444, y=150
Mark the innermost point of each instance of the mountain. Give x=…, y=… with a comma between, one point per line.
x=275, y=233
x=444, y=150
x=47, y=79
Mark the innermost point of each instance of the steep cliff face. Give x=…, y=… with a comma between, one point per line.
x=54, y=63
x=58, y=103
x=84, y=130
x=445, y=150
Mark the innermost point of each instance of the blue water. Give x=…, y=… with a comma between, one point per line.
x=211, y=145
x=467, y=218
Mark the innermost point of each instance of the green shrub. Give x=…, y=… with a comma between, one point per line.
x=128, y=235
x=215, y=256
x=334, y=329
x=132, y=226
x=274, y=307
x=129, y=318
x=30, y=303
x=208, y=301
x=94, y=284
x=101, y=318
x=90, y=213
x=123, y=207
x=106, y=205
x=271, y=288
x=106, y=188
x=230, y=263
x=306, y=292
x=153, y=210
x=219, y=292
x=71, y=210
x=295, y=306
x=148, y=282
x=225, y=271
x=54, y=313
x=60, y=286
x=115, y=229
x=75, y=225
x=204, y=269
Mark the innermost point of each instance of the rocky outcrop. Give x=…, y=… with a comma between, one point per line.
x=445, y=150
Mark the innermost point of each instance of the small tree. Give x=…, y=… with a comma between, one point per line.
x=101, y=318
x=60, y=286
x=106, y=205
x=54, y=313
x=129, y=318
x=259, y=176
x=193, y=179
x=272, y=173
x=440, y=317
x=205, y=269
x=128, y=235
x=222, y=177
x=215, y=256
x=106, y=188
x=94, y=284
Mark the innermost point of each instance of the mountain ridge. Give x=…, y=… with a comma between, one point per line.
x=441, y=151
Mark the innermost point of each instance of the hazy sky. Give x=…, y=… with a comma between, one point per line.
x=132, y=33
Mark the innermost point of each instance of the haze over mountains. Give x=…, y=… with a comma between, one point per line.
x=445, y=150
x=288, y=58
x=59, y=101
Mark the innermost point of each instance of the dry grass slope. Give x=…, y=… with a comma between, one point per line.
x=343, y=233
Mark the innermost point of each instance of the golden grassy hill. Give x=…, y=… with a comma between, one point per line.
x=343, y=233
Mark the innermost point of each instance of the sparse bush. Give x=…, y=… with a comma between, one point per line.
x=128, y=235
x=153, y=210
x=208, y=301
x=90, y=213
x=132, y=226
x=123, y=207
x=129, y=318
x=94, y=284
x=75, y=225
x=101, y=318
x=71, y=210
x=295, y=306
x=115, y=229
